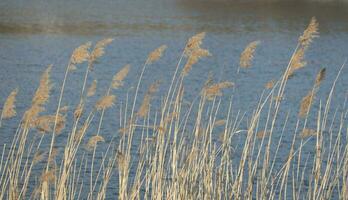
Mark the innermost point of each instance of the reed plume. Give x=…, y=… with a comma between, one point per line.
x=156, y=54
x=45, y=123
x=262, y=134
x=220, y=122
x=308, y=99
x=117, y=80
x=194, y=52
x=307, y=132
x=92, y=142
x=78, y=110
x=270, y=84
x=40, y=98
x=215, y=90
x=304, y=41
x=48, y=176
x=297, y=62
x=43, y=91
x=105, y=102
x=320, y=77
x=310, y=33
x=39, y=156
x=64, y=109
x=92, y=89
x=306, y=103
x=98, y=50
x=248, y=54
x=81, y=54
x=9, y=108
x=144, y=108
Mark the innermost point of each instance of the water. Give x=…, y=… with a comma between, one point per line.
x=36, y=33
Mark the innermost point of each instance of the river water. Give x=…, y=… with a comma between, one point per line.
x=36, y=33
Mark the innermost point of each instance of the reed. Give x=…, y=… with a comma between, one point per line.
x=204, y=149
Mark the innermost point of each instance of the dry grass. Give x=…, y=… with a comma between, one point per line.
x=201, y=150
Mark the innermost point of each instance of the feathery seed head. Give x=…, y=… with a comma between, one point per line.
x=117, y=80
x=81, y=54
x=156, y=54
x=248, y=54
x=310, y=33
x=92, y=89
x=105, y=102
x=98, y=50
x=8, y=110
x=92, y=142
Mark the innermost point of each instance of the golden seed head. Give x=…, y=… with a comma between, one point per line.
x=92, y=142
x=117, y=80
x=215, y=90
x=92, y=89
x=81, y=53
x=262, y=134
x=156, y=54
x=248, y=54
x=144, y=108
x=307, y=133
x=194, y=42
x=194, y=52
x=306, y=103
x=105, y=102
x=31, y=114
x=310, y=33
x=297, y=62
x=98, y=50
x=42, y=93
x=320, y=77
x=78, y=110
x=220, y=122
x=48, y=177
x=270, y=84
x=9, y=109
x=46, y=123
x=38, y=157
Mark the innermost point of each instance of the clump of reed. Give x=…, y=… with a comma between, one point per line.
x=174, y=150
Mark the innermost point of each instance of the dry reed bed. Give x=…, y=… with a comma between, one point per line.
x=177, y=156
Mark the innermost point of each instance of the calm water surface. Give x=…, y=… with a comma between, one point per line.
x=35, y=33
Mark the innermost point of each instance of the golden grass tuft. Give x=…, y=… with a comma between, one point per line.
x=81, y=54
x=210, y=92
x=310, y=33
x=78, y=110
x=248, y=54
x=144, y=108
x=9, y=108
x=297, y=62
x=49, y=176
x=45, y=123
x=262, y=134
x=38, y=157
x=92, y=89
x=306, y=103
x=194, y=52
x=270, y=84
x=98, y=50
x=43, y=92
x=117, y=80
x=220, y=122
x=105, y=102
x=307, y=132
x=320, y=77
x=92, y=142
x=156, y=54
